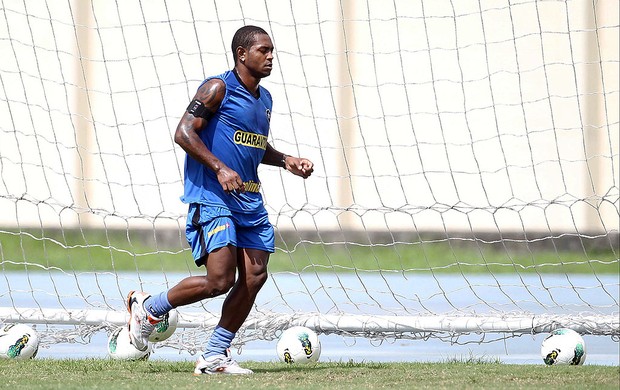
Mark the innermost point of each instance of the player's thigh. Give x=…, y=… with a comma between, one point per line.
x=221, y=264
x=252, y=262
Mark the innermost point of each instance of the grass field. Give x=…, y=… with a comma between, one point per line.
x=103, y=251
x=475, y=374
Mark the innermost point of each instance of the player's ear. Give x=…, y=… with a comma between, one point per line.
x=241, y=53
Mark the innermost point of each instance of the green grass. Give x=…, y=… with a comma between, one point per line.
x=118, y=251
x=108, y=374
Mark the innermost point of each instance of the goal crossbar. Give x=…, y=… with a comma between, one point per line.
x=345, y=323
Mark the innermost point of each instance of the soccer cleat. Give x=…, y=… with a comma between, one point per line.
x=141, y=324
x=219, y=364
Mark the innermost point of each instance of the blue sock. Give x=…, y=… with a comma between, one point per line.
x=219, y=342
x=158, y=305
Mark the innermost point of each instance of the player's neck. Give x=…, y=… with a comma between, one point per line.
x=247, y=80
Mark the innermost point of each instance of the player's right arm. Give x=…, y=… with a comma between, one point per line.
x=206, y=102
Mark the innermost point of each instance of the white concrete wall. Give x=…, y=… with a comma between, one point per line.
x=419, y=115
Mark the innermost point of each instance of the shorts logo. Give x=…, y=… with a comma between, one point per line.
x=268, y=113
x=218, y=229
x=250, y=139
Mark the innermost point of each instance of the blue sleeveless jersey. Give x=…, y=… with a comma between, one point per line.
x=237, y=135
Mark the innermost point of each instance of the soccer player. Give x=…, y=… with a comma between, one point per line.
x=224, y=133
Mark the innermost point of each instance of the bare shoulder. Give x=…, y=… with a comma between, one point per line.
x=211, y=93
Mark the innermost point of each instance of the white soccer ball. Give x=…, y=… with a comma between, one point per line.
x=299, y=345
x=18, y=341
x=165, y=328
x=120, y=348
x=563, y=347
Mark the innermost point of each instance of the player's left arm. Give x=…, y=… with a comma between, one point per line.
x=297, y=165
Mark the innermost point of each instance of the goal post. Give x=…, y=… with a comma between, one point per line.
x=466, y=164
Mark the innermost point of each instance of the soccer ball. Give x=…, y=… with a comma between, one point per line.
x=563, y=347
x=120, y=348
x=18, y=341
x=299, y=345
x=165, y=328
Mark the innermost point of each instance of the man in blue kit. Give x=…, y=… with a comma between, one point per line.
x=224, y=133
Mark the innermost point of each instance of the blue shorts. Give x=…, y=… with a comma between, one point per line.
x=209, y=228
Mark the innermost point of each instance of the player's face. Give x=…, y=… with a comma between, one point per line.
x=259, y=58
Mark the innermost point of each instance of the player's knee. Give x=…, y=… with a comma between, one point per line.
x=257, y=280
x=218, y=286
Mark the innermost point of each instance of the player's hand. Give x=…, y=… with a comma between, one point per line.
x=299, y=166
x=230, y=180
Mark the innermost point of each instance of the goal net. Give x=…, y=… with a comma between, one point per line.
x=466, y=164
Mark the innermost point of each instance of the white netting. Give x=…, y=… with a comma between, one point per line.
x=466, y=159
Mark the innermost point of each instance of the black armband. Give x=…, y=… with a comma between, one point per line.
x=198, y=109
